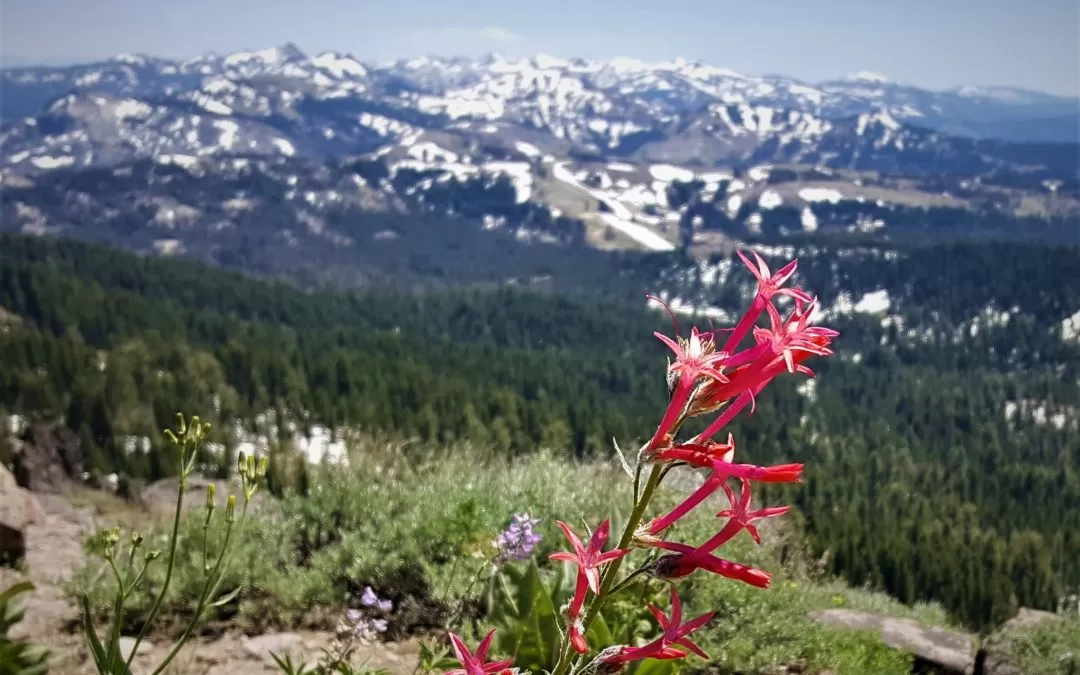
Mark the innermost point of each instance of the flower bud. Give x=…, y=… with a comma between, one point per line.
x=230, y=509
x=210, y=496
x=151, y=556
x=136, y=540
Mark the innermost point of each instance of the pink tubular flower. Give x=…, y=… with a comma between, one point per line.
x=665, y=647
x=739, y=516
x=473, y=664
x=685, y=563
x=780, y=349
x=688, y=559
x=718, y=457
x=742, y=516
x=769, y=286
x=695, y=358
x=589, y=560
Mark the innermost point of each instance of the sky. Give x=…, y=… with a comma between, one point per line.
x=930, y=43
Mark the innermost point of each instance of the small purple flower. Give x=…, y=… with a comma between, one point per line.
x=356, y=626
x=368, y=597
x=385, y=605
x=519, y=539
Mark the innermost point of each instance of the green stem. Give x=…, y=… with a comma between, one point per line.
x=208, y=591
x=612, y=570
x=182, y=487
x=465, y=596
x=450, y=581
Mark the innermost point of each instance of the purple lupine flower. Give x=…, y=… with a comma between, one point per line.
x=519, y=539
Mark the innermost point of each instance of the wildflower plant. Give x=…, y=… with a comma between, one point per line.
x=712, y=373
x=128, y=559
x=357, y=627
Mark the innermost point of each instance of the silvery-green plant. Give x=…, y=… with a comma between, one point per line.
x=128, y=560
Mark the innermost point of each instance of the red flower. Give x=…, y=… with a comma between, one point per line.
x=589, y=561
x=679, y=565
x=474, y=664
x=741, y=515
x=718, y=458
x=695, y=357
x=782, y=348
x=675, y=633
x=769, y=286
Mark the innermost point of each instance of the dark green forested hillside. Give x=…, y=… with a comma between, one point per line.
x=917, y=479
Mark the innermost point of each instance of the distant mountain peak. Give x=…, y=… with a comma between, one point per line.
x=272, y=55
x=868, y=77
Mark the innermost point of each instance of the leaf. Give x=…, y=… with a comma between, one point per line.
x=526, y=614
x=657, y=667
x=96, y=650
x=115, y=660
x=227, y=598
x=21, y=587
x=622, y=459
x=599, y=636
x=10, y=613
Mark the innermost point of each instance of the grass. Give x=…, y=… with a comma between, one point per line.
x=1047, y=647
x=416, y=523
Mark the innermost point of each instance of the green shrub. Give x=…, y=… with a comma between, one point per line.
x=417, y=526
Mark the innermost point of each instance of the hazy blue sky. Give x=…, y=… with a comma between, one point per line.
x=932, y=43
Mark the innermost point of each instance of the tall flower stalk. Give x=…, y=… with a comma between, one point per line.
x=130, y=570
x=706, y=377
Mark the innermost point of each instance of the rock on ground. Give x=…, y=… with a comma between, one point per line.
x=19, y=509
x=993, y=658
x=945, y=650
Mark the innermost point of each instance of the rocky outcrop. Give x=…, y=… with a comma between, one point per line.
x=48, y=458
x=18, y=509
x=994, y=656
x=936, y=650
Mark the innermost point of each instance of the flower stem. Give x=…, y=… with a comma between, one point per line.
x=210, y=587
x=612, y=570
x=181, y=488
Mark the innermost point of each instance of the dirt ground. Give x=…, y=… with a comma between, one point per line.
x=54, y=551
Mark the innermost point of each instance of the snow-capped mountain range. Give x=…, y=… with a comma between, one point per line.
x=641, y=154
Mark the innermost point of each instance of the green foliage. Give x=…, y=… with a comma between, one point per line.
x=435, y=657
x=336, y=660
x=18, y=657
x=526, y=612
x=916, y=481
x=525, y=605
x=365, y=524
x=1047, y=647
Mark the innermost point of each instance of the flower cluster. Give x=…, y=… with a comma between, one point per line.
x=712, y=373
x=365, y=625
x=518, y=541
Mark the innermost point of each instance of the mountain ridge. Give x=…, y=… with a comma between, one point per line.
x=616, y=154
